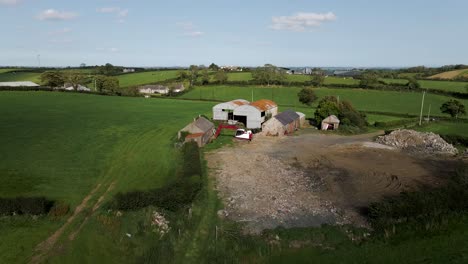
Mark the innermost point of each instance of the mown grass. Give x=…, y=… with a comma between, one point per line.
x=140, y=78
x=61, y=145
x=364, y=100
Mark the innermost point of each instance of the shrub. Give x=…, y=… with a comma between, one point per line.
x=59, y=210
x=25, y=205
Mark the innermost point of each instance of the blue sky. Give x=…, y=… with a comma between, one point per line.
x=362, y=33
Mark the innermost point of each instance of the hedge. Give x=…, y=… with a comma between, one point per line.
x=25, y=205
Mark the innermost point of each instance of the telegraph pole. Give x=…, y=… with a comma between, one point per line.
x=428, y=113
x=422, y=106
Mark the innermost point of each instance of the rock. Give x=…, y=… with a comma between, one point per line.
x=417, y=142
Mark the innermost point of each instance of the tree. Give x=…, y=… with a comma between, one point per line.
x=269, y=74
x=344, y=110
x=182, y=75
x=369, y=80
x=317, y=79
x=107, y=69
x=327, y=106
x=454, y=108
x=74, y=78
x=307, y=96
x=221, y=77
x=107, y=84
x=193, y=74
x=52, y=79
x=205, y=76
x=213, y=67
x=413, y=84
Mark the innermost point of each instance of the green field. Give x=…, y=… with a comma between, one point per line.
x=140, y=78
x=247, y=76
x=445, y=128
x=450, y=86
x=3, y=70
x=61, y=145
x=364, y=100
x=12, y=76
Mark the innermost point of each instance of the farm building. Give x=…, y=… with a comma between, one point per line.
x=153, y=89
x=200, y=130
x=179, y=88
x=282, y=124
x=225, y=111
x=302, y=119
x=18, y=84
x=330, y=123
x=255, y=113
x=69, y=87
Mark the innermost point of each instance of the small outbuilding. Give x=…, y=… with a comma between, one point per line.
x=201, y=130
x=255, y=113
x=225, y=111
x=81, y=88
x=302, y=119
x=19, y=84
x=330, y=123
x=282, y=124
x=178, y=88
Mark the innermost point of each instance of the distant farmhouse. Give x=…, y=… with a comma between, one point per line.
x=127, y=70
x=153, y=89
x=19, y=84
x=81, y=88
x=231, y=68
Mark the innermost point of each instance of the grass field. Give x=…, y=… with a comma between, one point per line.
x=61, y=145
x=11, y=76
x=445, y=128
x=140, y=78
x=451, y=86
x=364, y=100
x=247, y=76
x=450, y=75
x=3, y=70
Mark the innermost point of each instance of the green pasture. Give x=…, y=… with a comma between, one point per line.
x=451, y=86
x=3, y=70
x=14, y=76
x=61, y=145
x=364, y=100
x=140, y=78
x=445, y=128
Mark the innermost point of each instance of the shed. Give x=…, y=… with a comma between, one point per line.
x=302, y=119
x=225, y=111
x=330, y=123
x=282, y=124
x=19, y=84
x=179, y=88
x=200, y=130
x=255, y=113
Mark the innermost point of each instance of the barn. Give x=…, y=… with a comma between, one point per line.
x=200, y=130
x=330, y=123
x=225, y=111
x=282, y=124
x=255, y=113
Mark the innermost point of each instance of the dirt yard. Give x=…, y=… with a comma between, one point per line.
x=312, y=179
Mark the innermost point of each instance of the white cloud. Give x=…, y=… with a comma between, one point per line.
x=194, y=33
x=300, y=22
x=61, y=31
x=114, y=50
x=52, y=14
x=119, y=12
x=189, y=29
x=10, y=2
x=108, y=49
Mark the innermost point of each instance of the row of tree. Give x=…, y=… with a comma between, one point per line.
x=58, y=79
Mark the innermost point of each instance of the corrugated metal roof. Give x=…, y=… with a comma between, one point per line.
x=264, y=104
x=204, y=124
x=19, y=84
x=231, y=105
x=194, y=135
x=287, y=117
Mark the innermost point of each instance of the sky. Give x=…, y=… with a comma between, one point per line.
x=322, y=33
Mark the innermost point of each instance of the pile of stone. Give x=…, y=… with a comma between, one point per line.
x=160, y=224
x=417, y=142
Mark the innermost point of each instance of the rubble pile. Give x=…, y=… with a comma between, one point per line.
x=418, y=142
x=160, y=223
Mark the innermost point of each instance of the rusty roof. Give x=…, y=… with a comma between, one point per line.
x=194, y=135
x=264, y=104
x=239, y=102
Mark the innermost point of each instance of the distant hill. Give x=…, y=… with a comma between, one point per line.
x=451, y=75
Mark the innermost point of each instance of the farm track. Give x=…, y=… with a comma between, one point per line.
x=99, y=193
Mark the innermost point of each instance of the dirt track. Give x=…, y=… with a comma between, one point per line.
x=312, y=179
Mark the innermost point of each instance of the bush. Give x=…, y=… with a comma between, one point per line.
x=59, y=210
x=174, y=196
x=25, y=205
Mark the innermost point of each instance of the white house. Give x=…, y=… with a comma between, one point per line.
x=153, y=89
x=80, y=88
